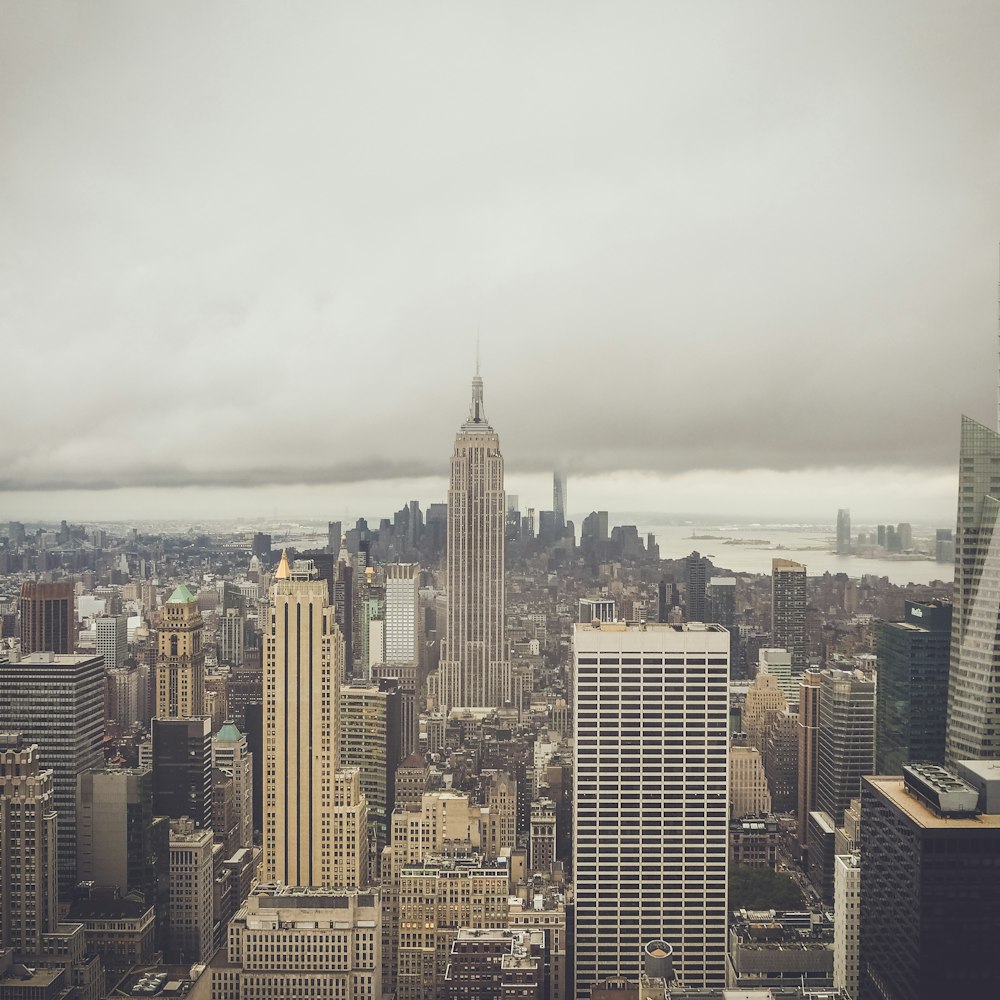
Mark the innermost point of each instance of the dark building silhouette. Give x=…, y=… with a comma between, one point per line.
x=253, y=728
x=912, y=694
x=930, y=885
x=695, y=577
x=182, y=769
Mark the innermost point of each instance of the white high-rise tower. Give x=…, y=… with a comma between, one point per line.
x=650, y=799
x=474, y=670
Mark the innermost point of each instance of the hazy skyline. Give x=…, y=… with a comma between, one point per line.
x=722, y=258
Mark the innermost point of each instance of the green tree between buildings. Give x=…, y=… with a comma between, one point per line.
x=762, y=889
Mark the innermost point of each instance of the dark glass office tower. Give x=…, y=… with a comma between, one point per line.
x=930, y=887
x=974, y=673
x=182, y=769
x=912, y=693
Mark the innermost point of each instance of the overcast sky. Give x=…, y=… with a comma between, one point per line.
x=723, y=257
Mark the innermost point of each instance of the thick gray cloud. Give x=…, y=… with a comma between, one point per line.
x=246, y=245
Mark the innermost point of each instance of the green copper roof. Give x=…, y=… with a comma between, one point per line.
x=181, y=596
x=229, y=733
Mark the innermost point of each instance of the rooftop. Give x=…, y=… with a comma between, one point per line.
x=229, y=733
x=893, y=789
x=181, y=595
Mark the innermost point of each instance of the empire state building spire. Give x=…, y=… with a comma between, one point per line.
x=477, y=414
x=474, y=670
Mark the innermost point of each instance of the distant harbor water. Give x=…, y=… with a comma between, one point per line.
x=749, y=548
x=742, y=548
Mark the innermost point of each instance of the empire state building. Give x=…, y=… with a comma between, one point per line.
x=474, y=670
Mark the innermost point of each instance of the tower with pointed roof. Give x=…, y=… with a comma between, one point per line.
x=180, y=658
x=474, y=670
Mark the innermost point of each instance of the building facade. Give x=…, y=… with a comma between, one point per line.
x=231, y=753
x=307, y=943
x=57, y=702
x=192, y=878
x=474, y=669
x=303, y=669
x=788, y=611
x=111, y=636
x=912, y=694
x=438, y=897
x=651, y=798
x=47, y=621
x=182, y=769
x=28, y=852
x=846, y=739
x=973, y=728
x=180, y=658
x=930, y=891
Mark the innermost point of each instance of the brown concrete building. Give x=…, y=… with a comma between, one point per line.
x=47, y=619
x=495, y=965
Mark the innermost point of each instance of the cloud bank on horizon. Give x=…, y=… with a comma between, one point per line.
x=242, y=250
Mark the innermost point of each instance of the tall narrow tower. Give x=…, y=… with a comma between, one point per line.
x=973, y=728
x=474, y=670
x=974, y=673
x=559, y=498
x=788, y=611
x=180, y=658
x=303, y=667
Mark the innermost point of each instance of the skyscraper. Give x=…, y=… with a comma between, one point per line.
x=930, y=886
x=843, y=532
x=111, y=634
x=974, y=673
x=182, y=769
x=57, y=702
x=651, y=798
x=303, y=667
x=788, y=610
x=808, y=727
x=474, y=670
x=28, y=895
x=119, y=840
x=180, y=658
x=369, y=741
x=846, y=739
x=559, y=499
x=46, y=617
x=696, y=578
x=402, y=613
x=912, y=690
x=344, y=604
x=231, y=753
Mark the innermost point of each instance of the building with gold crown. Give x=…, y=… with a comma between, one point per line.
x=180, y=658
